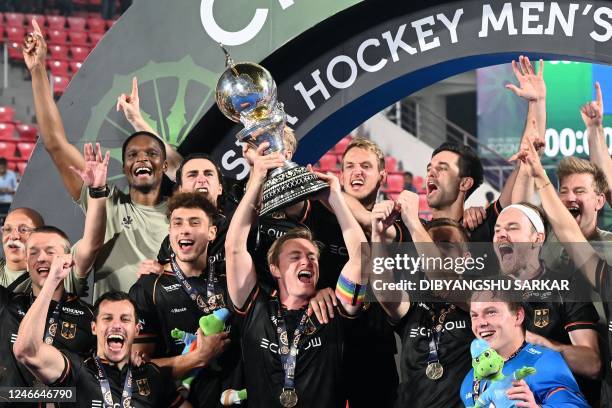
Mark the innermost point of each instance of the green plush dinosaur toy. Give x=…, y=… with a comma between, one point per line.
x=488, y=366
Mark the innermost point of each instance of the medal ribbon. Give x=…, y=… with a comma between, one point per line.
x=190, y=290
x=435, y=333
x=287, y=354
x=107, y=396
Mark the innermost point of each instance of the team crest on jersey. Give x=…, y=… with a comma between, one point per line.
x=541, y=318
x=68, y=330
x=143, y=387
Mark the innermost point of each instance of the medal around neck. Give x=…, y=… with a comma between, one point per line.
x=246, y=93
x=434, y=371
x=288, y=398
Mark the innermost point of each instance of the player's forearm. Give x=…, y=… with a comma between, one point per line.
x=581, y=360
x=93, y=236
x=351, y=230
x=523, y=186
x=32, y=327
x=599, y=153
x=180, y=365
x=244, y=217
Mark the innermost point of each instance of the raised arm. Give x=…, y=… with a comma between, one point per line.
x=532, y=88
x=395, y=308
x=130, y=105
x=43, y=360
x=94, y=177
x=63, y=154
x=353, y=238
x=592, y=116
x=241, y=277
x=564, y=225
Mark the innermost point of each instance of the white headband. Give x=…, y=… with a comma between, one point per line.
x=534, y=217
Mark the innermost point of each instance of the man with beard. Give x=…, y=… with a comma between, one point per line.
x=187, y=289
x=289, y=358
x=434, y=332
x=18, y=225
x=106, y=378
x=67, y=317
x=501, y=325
x=552, y=319
x=136, y=222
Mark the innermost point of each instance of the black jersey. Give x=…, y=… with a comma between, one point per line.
x=370, y=342
x=152, y=386
x=416, y=389
x=318, y=371
x=164, y=305
x=73, y=332
x=603, y=279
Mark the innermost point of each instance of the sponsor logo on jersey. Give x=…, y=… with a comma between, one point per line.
x=72, y=311
x=178, y=310
x=172, y=288
x=273, y=347
x=448, y=326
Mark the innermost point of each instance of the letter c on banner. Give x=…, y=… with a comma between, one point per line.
x=230, y=37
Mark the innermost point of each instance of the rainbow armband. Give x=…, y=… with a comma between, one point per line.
x=350, y=292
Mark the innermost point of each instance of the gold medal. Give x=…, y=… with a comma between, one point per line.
x=288, y=398
x=434, y=371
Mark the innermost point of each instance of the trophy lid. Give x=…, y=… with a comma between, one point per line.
x=246, y=90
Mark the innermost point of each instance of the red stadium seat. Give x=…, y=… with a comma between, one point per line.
x=27, y=132
x=59, y=52
x=390, y=163
x=78, y=38
x=79, y=54
x=328, y=162
x=76, y=23
x=40, y=19
x=25, y=149
x=95, y=2
x=60, y=84
x=109, y=24
x=58, y=67
x=419, y=183
x=14, y=51
x=56, y=22
x=395, y=182
x=94, y=38
x=7, y=114
x=57, y=37
x=15, y=34
x=14, y=19
x=75, y=66
x=340, y=147
x=21, y=166
x=423, y=206
x=7, y=150
x=7, y=132
x=96, y=25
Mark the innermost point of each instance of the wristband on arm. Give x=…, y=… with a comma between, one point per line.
x=350, y=292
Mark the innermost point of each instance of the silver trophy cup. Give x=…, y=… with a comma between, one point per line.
x=246, y=93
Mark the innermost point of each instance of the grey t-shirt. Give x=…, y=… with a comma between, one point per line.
x=133, y=233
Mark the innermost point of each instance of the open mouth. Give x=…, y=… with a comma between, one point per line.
x=43, y=270
x=431, y=187
x=505, y=250
x=486, y=334
x=14, y=245
x=305, y=276
x=143, y=171
x=202, y=190
x=115, y=341
x=575, y=211
x=357, y=184
x=185, y=244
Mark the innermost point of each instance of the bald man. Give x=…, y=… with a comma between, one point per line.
x=18, y=225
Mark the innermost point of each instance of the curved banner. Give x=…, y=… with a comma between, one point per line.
x=336, y=64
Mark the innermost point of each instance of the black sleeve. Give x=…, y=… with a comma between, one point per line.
x=580, y=315
x=165, y=251
x=170, y=396
x=485, y=231
x=142, y=294
x=72, y=368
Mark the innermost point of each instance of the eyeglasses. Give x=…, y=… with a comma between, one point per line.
x=21, y=229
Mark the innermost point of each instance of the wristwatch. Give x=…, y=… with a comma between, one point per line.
x=99, y=192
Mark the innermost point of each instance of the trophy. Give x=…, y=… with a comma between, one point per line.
x=246, y=93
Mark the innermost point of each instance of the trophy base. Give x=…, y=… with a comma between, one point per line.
x=289, y=185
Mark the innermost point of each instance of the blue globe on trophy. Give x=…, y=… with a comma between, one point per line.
x=246, y=93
